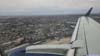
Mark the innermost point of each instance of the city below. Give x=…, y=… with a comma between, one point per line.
x=33, y=30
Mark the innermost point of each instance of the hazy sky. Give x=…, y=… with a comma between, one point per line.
x=34, y=7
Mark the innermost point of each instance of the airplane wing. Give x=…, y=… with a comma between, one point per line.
x=86, y=34
x=89, y=35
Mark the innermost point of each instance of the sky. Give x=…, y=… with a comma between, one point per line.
x=44, y=7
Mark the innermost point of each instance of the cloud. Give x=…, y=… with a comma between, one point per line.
x=47, y=3
x=40, y=6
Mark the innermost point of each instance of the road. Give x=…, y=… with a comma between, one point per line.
x=61, y=41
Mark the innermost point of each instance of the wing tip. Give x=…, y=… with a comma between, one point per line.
x=89, y=11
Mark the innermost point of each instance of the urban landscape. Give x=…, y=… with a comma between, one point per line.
x=18, y=30
x=34, y=30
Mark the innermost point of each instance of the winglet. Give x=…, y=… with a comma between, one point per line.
x=89, y=12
